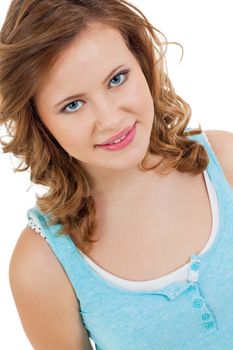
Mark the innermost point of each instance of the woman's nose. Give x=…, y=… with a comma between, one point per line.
x=107, y=115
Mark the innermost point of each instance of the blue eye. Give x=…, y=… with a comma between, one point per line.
x=118, y=75
x=73, y=105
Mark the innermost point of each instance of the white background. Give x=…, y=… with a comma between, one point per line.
x=203, y=79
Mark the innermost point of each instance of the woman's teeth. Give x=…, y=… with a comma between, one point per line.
x=118, y=140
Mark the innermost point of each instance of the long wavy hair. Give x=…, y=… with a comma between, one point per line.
x=32, y=36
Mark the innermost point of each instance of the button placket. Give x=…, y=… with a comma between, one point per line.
x=198, y=303
x=193, y=272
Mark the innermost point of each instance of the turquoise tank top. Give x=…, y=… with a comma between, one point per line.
x=192, y=315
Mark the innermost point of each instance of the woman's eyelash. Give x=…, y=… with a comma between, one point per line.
x=125, y=73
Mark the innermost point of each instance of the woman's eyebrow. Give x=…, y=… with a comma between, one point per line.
x=83, y=93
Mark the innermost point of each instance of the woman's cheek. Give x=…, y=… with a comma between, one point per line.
x=141, y=100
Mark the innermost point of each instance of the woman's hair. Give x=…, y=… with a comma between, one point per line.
x=32, y=36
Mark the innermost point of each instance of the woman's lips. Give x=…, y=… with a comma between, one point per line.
x=128, y=139
x=117, y=136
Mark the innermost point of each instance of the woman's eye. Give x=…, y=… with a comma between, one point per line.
x=117, y=79
x=72, y=107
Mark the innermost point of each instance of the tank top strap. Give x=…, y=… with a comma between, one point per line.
x=214, y=167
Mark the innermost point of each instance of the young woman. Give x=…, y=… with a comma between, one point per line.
x=131, y=246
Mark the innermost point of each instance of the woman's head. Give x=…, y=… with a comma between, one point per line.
x=37, y=42
x=52, y=49
x=114, y=95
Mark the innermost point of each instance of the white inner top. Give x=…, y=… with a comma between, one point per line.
x=179, y=275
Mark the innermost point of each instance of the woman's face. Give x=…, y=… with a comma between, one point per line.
x=110, y=100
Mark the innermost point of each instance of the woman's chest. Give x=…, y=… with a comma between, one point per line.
x=156, y=232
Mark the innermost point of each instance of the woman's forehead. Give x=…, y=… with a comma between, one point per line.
x=91, y=56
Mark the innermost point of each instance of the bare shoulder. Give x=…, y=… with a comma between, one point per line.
x=222, y=144
x=45, y=300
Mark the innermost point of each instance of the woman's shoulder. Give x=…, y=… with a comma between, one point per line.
x=44, y=297
x=32, y=256
x=221, y=142
x=34, y=264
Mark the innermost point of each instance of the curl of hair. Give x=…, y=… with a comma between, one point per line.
x=32, y=36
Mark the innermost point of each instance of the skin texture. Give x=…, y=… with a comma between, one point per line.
x=106, y=108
